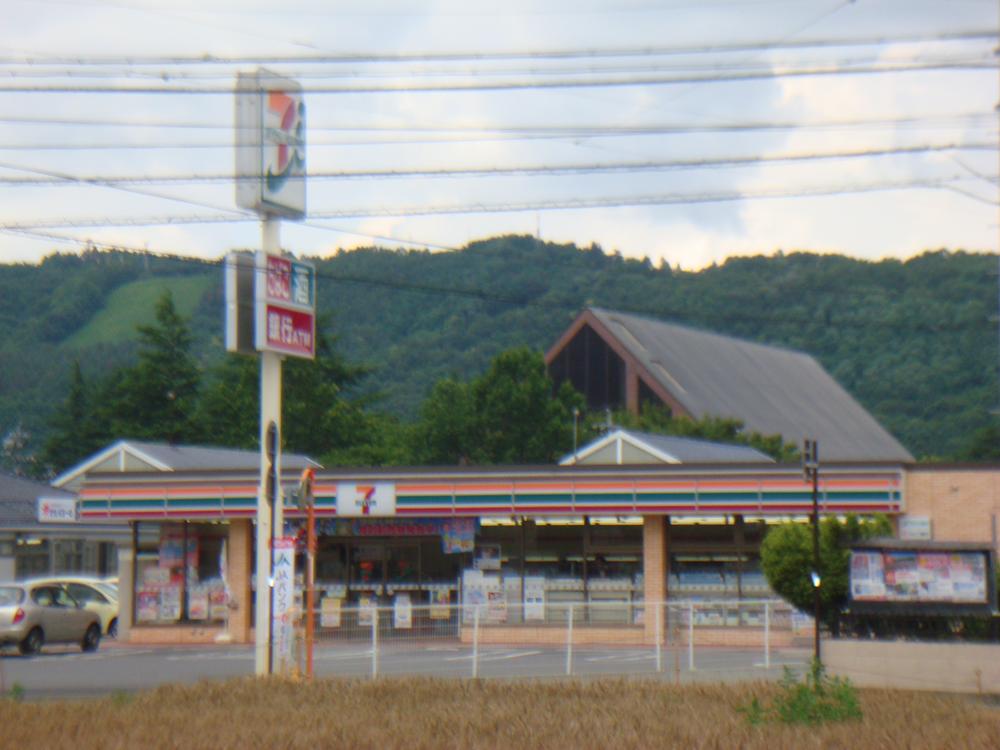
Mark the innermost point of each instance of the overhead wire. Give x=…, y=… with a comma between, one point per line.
x=539, y=84
x=44, y=178
x=760, y=45
x=487, y=208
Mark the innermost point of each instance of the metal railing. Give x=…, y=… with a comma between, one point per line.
x=714, y=639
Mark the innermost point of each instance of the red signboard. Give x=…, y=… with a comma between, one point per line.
x=279, y=278
x=290, y=331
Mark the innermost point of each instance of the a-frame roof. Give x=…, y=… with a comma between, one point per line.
x=621, y=446
x=772, y=390
x=136, y=455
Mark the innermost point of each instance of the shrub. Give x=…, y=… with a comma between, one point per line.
x=815, y=699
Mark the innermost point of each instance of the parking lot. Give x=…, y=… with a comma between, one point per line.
x=66, y=672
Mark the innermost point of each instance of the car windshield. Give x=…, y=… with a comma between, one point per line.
x=10, y=595
x=107, y=589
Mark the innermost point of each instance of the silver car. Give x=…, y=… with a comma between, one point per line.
x=33, y=614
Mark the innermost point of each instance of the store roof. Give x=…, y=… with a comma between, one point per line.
x=772, y=390
x=621, y=446
x=19, y=500
x=139, y=456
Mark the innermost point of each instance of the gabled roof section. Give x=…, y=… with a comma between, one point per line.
x=19, y=500
x=622, y=446
x=135, y=455
x=772, y=390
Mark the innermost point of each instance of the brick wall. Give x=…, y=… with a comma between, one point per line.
x=963, y=503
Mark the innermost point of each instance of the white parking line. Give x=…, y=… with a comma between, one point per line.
x=621, y=656
x=342, y=656
x=497, y=656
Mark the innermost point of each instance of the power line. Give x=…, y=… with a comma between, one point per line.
x=48, y=179
x=522, y=85
x=83, y=73
x=968, y=35
x=511, y=207
x=575, y=129
x=504, y=135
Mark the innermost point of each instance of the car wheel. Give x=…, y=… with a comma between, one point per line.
x=113, y=628
x=92, y=638
x=32, y=642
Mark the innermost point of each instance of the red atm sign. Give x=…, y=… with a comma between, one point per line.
x=286, y=299
x=290, y=331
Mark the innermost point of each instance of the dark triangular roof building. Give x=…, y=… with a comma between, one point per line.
x=618, y=360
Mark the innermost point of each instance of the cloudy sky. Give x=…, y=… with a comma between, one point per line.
x=685, y=131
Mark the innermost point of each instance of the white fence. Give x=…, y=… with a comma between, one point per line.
x=723, y=639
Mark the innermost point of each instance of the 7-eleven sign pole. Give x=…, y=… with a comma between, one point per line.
x=270, y=521
x=271, y=181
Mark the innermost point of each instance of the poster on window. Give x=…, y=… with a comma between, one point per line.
x=329, y=613
x=458, y=535
x=366, y=610
x=440, y=604
x=496, y=605
x=402, y=612
x=170, y=603
x=534, y=598
x=218, y=603
x=487, y=557
x=198, y=604
x=147, y=604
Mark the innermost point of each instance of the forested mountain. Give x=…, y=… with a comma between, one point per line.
x=915, y=341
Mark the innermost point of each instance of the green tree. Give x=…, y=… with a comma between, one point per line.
x=158, y=396
x=445, y=433
x=517, y=418
x=510, y=414
x=72, y=436
x=320, y=414
x=786, y=556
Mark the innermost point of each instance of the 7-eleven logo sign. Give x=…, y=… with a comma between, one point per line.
x=368, y=499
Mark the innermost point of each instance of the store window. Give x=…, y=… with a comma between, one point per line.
x=180, y=573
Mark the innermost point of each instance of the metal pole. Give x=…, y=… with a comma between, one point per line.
x=767, y=635
x=475, y=643
x=569, y=640
x=310, y=585
x=816, y=568
x=374, y=611
x=658, y=610
x=269, y=513
x=690, y=636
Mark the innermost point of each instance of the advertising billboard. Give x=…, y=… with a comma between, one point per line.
x=270, y=145
x=895, y=578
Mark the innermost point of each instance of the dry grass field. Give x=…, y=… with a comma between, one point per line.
x=425, y=713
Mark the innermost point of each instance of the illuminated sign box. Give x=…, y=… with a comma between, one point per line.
x=285, y=305
x=270, y=145
x=56, y=510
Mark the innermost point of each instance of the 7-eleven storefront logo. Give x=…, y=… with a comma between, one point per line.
x=371, y=499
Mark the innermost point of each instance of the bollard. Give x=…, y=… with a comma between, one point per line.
x=569, y=640
x=690, y=636
x=475, y=643
x=374, y=611
x=767, y=635
x=659, y=655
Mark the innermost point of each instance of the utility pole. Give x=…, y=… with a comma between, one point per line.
x=810, y=470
